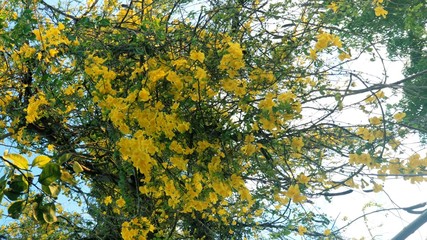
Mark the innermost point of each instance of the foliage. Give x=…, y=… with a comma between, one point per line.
x=187, y=121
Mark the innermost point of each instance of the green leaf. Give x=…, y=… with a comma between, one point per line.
x=15, y=209
x=16, y=159
x=19, y=183
x=41, y=161
x=65, y=158
x=51, y=172
x=53, y=189
x=49, y=213
x=38, y=212
x=11, y=194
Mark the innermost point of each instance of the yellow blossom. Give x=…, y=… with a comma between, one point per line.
x=197, y=55
x=50, y=147
x=377, y=187
x=333, y=6
x=399, y=116
x=343, y=56
x=375, y=120
x=297, y=143
x=144, y=95
x=380, y=11
x=33, y=112
x=200, y=73
x=121, y=202
x=302, y=178
x=313, y=54
x=108, y=200
x=302, y=230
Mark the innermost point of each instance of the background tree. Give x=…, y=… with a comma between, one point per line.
x=168, y=119
x=402, y=32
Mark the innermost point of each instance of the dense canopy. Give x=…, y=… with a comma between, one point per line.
x=191, y=120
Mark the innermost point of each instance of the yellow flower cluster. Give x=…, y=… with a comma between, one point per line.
x=363, y=158
x=379, y=9
x=137, y=228
x=325, y=40
x=33, y=109
x=232, y=61
x=295, y=194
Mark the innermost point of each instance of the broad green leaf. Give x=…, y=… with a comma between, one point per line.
x=19, y=183
x=11, y=194
x=51, y=172
x=15, y=209
x=41, y=161
x=49, y=213
x=16, y=159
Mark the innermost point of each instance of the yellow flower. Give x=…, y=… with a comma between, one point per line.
x=200, y=73
x=144, y=95
x=108, y=200
x=179, y=163
x=156, y=75
x=380, y=11
x=313, y=54
x=33, y=112
x=267, y=103
x=302, y=230
x=322, y=41
x=50, y=147
x=336, y=41
x=221, y=188
x=286, y=97
x=53, y=52
x=121, y=203
x=377, y=187
x=297, y=143
x=333, y=6
x=235, y=50
x=292, y=191
x=327, y=232
x=213, y=197
x=343, y=56
x=197, y=55
x=399, y=116
x=302, y=178
x=375, y=120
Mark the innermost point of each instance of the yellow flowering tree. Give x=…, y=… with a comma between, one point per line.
x=168, y=119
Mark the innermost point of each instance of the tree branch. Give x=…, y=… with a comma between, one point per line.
x=412, y=227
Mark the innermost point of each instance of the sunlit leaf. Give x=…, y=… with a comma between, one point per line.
x=77, y=167
x=41, y=161
x=67, y=177
x=17, y=160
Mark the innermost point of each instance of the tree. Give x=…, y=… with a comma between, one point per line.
x=186, y=121
x=403, y=34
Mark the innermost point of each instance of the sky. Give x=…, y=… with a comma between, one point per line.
x=397, y=192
